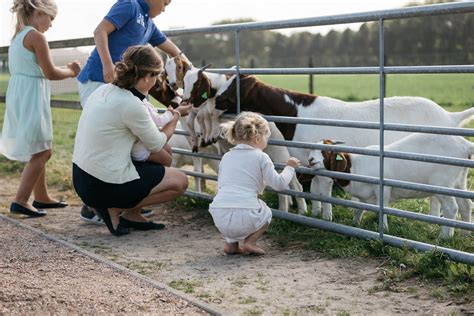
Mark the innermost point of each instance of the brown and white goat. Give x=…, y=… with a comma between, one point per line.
x=176, y=67
x=200, y=89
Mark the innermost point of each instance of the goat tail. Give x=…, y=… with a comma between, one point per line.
x=463, y=117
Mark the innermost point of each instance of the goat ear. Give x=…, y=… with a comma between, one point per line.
x=338, y=162
x=246, y=84
x=204, y=68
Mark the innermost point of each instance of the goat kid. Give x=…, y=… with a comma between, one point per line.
x=176, y=67
x=200, y=89
x=405, y=170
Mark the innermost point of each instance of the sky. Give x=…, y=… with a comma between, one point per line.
x=78, y=18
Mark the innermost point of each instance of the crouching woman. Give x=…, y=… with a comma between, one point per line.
x=114, y=118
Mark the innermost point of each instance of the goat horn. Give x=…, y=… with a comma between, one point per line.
x=338, y=142
x=204, y=68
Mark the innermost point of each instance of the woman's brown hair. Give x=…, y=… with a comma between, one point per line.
x=138, y=61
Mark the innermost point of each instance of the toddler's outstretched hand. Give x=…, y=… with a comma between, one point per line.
x=184, y=108
x=75, y=66
x=293, y=162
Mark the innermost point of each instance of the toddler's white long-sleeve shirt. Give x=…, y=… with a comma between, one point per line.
x=244, y=172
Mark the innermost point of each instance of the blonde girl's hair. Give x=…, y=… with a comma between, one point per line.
x=245, y=129
x=137, y=62
x=24, y=9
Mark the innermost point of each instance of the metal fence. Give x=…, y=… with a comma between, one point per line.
x=381, y=70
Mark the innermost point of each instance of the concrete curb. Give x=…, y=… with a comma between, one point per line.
x=158, y=285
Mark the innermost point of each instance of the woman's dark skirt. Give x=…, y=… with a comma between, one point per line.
x=96, y=193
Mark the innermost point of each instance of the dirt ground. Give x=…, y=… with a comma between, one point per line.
x=188, y=255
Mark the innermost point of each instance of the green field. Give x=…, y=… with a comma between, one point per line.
x=447, y=90
x=454, y=92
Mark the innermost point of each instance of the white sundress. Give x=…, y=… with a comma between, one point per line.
x=27, y=126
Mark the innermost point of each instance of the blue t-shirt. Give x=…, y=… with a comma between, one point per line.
x=133, y=27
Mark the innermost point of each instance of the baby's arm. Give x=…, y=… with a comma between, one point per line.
x=278, y=181
x=160, y=120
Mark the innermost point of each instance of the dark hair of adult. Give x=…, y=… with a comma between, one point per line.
x=138, y=61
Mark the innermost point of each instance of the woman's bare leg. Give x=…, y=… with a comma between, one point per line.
x=29, y=178
x=40, y=190
x=115, y=216
x=250, y=243
x=174, y=184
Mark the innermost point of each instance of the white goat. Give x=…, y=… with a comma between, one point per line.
x=405, y=170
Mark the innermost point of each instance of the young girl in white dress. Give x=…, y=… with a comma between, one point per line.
x=244, y=171
x=27, y=129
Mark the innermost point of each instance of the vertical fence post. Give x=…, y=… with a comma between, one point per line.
x=237, y=61
x=310, y=65
x=381, y=147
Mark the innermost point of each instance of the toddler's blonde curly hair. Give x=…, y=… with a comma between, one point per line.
x=246, y=128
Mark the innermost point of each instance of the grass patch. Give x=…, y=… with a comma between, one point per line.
x=187, y=286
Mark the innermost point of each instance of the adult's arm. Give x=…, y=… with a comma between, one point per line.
x=136, y=117
x=101, y=38
x=170, y=48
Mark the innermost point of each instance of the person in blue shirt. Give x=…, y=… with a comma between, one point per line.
x=128, y=23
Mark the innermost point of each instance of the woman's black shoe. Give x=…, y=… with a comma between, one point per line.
x=37, y=204
x=119, y=231
x=141, y=225
x=18, y=209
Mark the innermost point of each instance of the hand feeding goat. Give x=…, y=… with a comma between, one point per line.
x=258, y=96
x=405, y=170
x=168, y=97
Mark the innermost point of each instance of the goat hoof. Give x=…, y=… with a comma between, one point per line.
x=195, y=149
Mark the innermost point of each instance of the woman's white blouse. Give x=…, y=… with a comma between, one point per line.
x=111, y=121
x=243, y=173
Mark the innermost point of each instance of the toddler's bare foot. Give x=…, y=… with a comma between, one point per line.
x=232, y=248
x=249, y=248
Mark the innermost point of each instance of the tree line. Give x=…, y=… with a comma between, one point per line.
x=435, y=40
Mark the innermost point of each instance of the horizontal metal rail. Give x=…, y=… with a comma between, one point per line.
x=456, y=255
x=359, y=205
x=367, y=70
x=412, y=128
x=375, y=152
x=375, y=208
x=392, y=14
